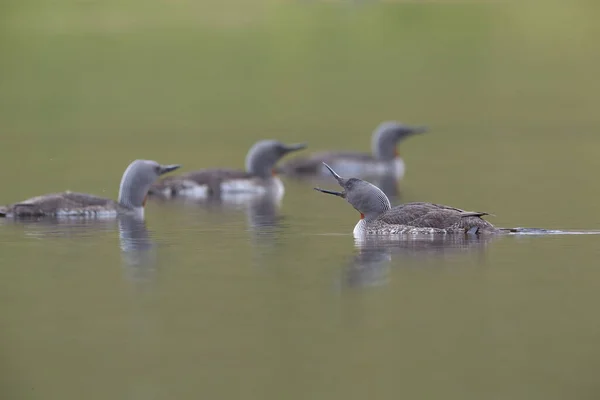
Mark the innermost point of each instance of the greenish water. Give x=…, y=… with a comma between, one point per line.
x=270, y=303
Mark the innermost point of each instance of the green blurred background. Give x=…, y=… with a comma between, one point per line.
x=507, y=89
x=510, y=91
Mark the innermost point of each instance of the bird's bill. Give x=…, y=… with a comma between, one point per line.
x=168, y=168
x=340, y=180
x=339, y=194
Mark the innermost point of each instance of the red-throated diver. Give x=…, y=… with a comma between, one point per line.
x=257, y=179
x=384, y=159
x=136, y=180
x=377, y=216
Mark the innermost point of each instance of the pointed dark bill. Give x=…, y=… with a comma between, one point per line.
x=340, y=194
x=340, y=180
x=168, y=168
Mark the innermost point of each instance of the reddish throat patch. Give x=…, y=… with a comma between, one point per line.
x=144, y=202
x=362, y=216
x=396, y=152
x=273, y=172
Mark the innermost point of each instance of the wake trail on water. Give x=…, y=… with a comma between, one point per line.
x=540, y=231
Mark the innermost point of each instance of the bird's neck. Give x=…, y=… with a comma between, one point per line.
x=384, y=148
x=132, y=193
x=260, y=168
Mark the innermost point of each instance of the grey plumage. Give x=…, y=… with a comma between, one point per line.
x=50, y=204
x=383, y=151
x=429, y=215
x=260, y=163
x=136, y=181
x=211, y=178
x=377, y=215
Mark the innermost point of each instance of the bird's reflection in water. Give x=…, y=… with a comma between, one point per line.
x=264, y=220
x=139, y=260
x=41, y=228
x=370, y=266
x=138, y=251
x=265, y=227
x=262, y=212
x=264, y=223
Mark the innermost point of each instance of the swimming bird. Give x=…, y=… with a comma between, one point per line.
x=136, y=180
x=384, y=159
x=259, y=177
x=378, y=217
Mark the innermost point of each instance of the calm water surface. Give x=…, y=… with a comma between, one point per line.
x=267, y=302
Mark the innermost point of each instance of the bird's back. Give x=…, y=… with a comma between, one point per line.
x=61, y=204
x=430, y=215
x=209, y=180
